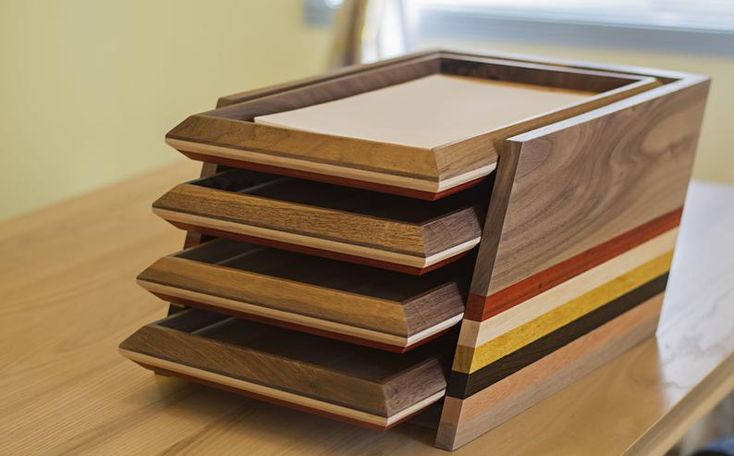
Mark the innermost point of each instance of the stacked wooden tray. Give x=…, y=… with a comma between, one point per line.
x=439, y=228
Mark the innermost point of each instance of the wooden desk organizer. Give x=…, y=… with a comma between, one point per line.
x=462, y=231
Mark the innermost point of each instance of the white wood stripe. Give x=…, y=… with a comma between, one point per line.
x=282, y=395
x=474, y=334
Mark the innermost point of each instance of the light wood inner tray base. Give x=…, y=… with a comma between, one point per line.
x=428, y=112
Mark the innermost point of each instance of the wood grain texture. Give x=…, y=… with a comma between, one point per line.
x=463, y=385
x=335, y=73
x=321, y=328
x=281, y=398
x=325, y=217
x=532, y=71
x=229, y=135
x=192, y=237
x=480, y=308
x=484, y=352
x=475, y=334
x=365, y=303
x=588, y=179
x=339, y=180
x=358, y=378
x=465, y=419
x=69, y=300
x=299, y=248
x=565, y=190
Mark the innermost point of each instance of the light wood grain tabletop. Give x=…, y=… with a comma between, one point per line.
x=67, y=281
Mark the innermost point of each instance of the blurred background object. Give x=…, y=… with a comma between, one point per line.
x=370, y=30
x=90, y=87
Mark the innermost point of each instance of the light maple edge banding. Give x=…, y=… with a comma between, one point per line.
x=480, y=308
x=471, y=359
x=361, y=260
x=346, y=225
x=281, y=395
x=383, y=178
x=333, y=179
x=474, y=333
x=301, y=320
x=314, y=242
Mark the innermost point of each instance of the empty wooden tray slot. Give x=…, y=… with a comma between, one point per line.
x=423, y=127
x=365, y=305
x=339, y=380
x=360, y=226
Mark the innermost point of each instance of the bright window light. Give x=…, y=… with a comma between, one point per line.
x=708, y=15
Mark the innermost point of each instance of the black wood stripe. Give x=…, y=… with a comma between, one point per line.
x=462, y=385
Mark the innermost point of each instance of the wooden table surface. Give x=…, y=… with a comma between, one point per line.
x=67, y=281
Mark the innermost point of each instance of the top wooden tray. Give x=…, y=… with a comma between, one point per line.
x=423, y=126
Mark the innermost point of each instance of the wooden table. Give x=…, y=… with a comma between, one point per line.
x=69, y=297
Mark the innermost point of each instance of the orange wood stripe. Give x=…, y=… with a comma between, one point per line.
x=480, y=308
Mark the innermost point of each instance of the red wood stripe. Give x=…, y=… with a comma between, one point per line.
x=480, y=308
x=365, y=185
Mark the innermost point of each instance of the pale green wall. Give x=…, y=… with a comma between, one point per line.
x=88, y=88
x=715, y=157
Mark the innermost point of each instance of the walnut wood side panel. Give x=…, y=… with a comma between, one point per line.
x=338, y=222
x=359, y=384
x=362, y=305
x=575, y=184
x=580, y=230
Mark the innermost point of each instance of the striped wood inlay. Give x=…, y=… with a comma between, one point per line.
x=471, y=359
x=475, y=334
x=464, y=385
x=465, y=419
x=481, y=308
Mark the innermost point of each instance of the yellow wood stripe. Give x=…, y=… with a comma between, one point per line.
x=475, y=333
x=470, y=359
